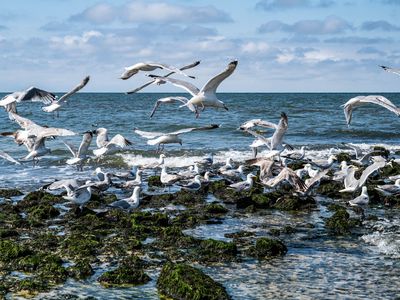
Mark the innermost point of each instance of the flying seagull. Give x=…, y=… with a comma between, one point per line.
x=391, y=70
x=105, y=145
x=168, y=100
x=161, y=138
x=159, y=81
x=80, y=154
x=206, y=97
x=147, y=67
x=56, y=104
x=355, y=102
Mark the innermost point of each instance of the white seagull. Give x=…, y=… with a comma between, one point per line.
x=147, y=67
x=128, y=203
x=206, y=97
x=391, y=70
x=80, y=154
x=244, y=185
x=56, y=104
x=80, y=195
x=389, y=189
x=361, y=200
x=168, y=100
x=355, y=102
x=161, y=138
x=158, y=81
x=105, y=145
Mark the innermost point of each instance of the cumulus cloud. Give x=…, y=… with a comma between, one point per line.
x=379, y=25
x=288, y=4
x=331, y=25
x=158, y=12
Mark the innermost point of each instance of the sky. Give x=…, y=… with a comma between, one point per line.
x=281, y=45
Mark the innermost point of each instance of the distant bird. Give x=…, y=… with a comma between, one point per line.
x=324, y=164
x=158, y=81
x=195, y=185
x=207, y=161
x=234, y=173
x=161, y=138
x=107, y=146
x=168, y=179
x=228, y=165
x=391, y=70
x=351, y=184
x=310, y=171
x=147, y=67
x=128, y=203
x=389, y=189
x=191, y=171
x=244, y=185
x=168, y=100
x=206, y=97
x=80, y=154
x=32, y=93
x=56, y=104
x=361, y=200
x=73, y=184
x=296, y=155
x=126, y=175
x=355, y=102
x=266, y=166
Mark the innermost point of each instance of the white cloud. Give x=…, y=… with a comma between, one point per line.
x=146, y=11
x=255, y=47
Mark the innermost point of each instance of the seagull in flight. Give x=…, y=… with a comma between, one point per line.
x=159, y=81
x=33, y=94
x=355, y=102
x=80, y=154
x=147, y=67
x=391, y=70
x=161, y=138
x=56, y=104
x=206, y=97
x=168, y=100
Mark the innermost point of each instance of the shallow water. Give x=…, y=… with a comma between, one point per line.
x=316, y=266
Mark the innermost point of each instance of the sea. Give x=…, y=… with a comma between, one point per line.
x=316, y=266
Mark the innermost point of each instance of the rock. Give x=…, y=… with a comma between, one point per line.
x=213, y=251
x=343, y=156
x=154, y=181
x=80, y=245
x=8, y=193
x=40, y=213
x=81, y=270
x=129, y=272
x=380, y=151
x=10, y=250
x=181, y=281
x=38, y=197
x=267, y=248
x=330, y=189
x=340, y=222
x=216, y=208
x=294, y=203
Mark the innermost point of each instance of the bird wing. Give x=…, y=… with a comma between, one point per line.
x=180, y=83
x=9, y=158
x=382, y=101
x=259, y=136
x=7, y=100
x=121, y=204
x=167, y=67
x=168, y=100
x=148, y=134
x=348, y=112
x=185, y=130
x=258, y=122
x=76, y=89
x=23, y=122
x=70, y=147
x=312, y=181
x=212, y=85
x=391, y=70
x=356, y=149
x=119, y=141
x=35, y=94
x=369, y=170
x=51, y=131
x=143, y=86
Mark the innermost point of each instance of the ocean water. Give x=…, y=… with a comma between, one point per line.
x=316, y=266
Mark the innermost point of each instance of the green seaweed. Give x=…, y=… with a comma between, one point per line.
x=267, y=248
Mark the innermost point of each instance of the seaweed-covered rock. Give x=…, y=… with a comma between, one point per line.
x=6, y=233
x=181, y=281
x=340, y=222
x=267, y=248
x=10, y=250
x=173, y=236
x=8, y=193
x=41, y=212
x=216, y=208
x=265, y=200
x=81, y=270
x=390, y=170
x=81, y=245
x=380, y=151
x=154, y=181
x=330, y=189
x=293, y=203
x=212, y=250
x=129, y=272
x=343, y=156
x=30, y=287
x=39, y=197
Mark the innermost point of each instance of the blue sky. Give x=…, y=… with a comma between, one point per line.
x=281, y=45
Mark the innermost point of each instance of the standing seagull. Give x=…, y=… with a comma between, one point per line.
x=161, y=138
x=206, y=96
x=158, y=81
x=107, y=146
x=355, y=102
x=56, y=104
x=129, y=203
x=361, y=200
x=81, y=154
x=80, y=195
x=244, y=185
x=147, y=67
